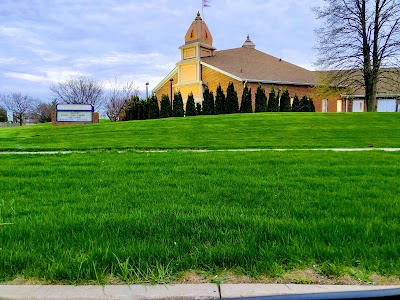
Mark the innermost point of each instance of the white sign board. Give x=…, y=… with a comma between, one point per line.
x=10, y=116
x=74, y=116
x=74, y=113
x=86, y=107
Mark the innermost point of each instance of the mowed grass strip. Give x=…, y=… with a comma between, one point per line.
x=261, y=130
x=148, y=217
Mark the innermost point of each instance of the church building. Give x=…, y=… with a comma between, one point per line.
x=202, y=65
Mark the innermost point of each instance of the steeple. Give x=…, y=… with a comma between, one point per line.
x=249, y=44
x=198, y=44
x=198, y=32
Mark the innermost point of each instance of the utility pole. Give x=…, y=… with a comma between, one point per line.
x=171, y=80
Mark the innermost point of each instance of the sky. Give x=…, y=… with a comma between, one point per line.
x=43, y=42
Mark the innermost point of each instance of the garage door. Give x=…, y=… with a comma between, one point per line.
x=386, y=105
x=358, y=105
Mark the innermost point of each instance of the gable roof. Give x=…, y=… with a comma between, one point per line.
x=253, y=65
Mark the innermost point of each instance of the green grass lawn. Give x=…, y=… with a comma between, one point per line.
x=262, y=130
x=149, y=217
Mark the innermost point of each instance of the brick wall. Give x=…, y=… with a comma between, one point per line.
x=214, y=78
x=300, y=91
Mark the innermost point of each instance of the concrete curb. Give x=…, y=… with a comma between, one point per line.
x=117, y=292
x=175, y=292
x=254, y=290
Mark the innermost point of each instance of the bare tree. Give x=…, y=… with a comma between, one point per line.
x=80, y=90
x=42, y=111
x=117, y=97
x=359, y=42
x=20, y=105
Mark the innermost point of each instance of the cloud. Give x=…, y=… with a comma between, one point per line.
x=19, y=34
x=136, y=8
x=47, y=55
x=62, y=75
x=42, y=42
x=49, y=76
x=26, y=76
x=9, y=60
x=117, y=59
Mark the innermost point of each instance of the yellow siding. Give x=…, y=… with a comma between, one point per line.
x=189, y=53
x=188, y=73
x=166, y=87
x=186, y=90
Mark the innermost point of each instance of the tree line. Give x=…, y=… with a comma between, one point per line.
x=122, y=102
x=79, y=90
x=25, y=107
x=141, y=109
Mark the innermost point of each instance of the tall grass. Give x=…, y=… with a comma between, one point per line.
x=148, y=217
x=261, y=130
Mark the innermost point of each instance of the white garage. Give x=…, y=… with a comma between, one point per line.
x=386, y=105
x=358, y=105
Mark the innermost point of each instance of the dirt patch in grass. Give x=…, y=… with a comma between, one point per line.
x=192, y=277
x=380, y=280
x=311, y=276
x=19, y=280
x=308, y=276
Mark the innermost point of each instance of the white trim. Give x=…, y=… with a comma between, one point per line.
x=197, y=44
x=377, y=96
x=221, y=71
x=165, y=80
x=189, y=83
x=189, y=60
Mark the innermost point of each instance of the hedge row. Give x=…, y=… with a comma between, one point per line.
x=136, y=109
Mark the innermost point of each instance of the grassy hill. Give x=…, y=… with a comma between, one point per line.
x=277, y=130
x=291, y=216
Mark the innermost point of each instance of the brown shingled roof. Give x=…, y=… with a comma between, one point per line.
x=254, y=65
x=388, y=83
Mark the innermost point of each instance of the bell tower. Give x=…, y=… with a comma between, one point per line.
x=198, y=44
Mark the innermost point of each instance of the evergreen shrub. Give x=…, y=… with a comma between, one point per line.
x=261, y=99
x=190, y=106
